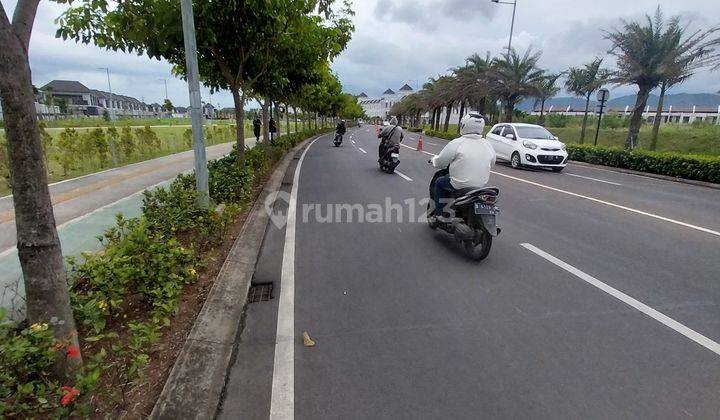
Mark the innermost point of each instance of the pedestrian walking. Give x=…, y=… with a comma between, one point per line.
x=272, y=127
x=256, y=128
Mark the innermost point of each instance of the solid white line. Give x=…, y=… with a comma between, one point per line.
x=652, y=313
x=353, y=141
x=593, y=179
x=362, y=150
x=282, y=401
x=607, y=203
x=403, y=176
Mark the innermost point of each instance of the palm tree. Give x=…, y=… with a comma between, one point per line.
x=514, y=76
x=548, y=89
x=685, y=56
x=473, y=84
x=644, y=53
x=583, y=81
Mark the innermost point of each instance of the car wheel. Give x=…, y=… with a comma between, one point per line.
x=515, y=160
x=557, y=169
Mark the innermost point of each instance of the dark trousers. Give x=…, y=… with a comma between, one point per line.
x=442, y=193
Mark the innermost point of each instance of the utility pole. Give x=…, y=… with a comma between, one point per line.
x=193, y=77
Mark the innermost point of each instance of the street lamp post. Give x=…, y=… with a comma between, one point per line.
x=108, y=103
x=512, y=23
x=165, y=81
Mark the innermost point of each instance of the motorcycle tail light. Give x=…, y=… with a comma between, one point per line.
x=490, y=199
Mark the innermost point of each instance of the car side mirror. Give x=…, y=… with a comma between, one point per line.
x=510, y=136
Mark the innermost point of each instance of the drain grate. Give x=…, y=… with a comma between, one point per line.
x=260, y=292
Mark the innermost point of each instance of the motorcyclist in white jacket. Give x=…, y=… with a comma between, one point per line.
x=468, y=158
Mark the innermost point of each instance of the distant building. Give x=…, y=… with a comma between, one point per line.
x=380, y=107
x=79, y=100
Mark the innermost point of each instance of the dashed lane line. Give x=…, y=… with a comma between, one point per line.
x=628, y=300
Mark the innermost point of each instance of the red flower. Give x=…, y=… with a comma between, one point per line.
x=73, y=352
x=69, y=394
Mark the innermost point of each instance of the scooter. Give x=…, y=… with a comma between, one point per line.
x=390, y=159
x=338, y=139
x=472, y=220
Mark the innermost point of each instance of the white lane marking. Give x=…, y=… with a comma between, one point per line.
x=362, y=150
x=652, y=313
x=422, y=151
x=403, y=176
x=353, y=141
x=607, y=203
x=282, y=401
x=593, y=179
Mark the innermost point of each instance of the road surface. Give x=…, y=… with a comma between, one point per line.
x=599, y=300
x=86, y=206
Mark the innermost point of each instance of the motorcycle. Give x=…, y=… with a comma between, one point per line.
x=473, y=217
x=338, y=139
x=390, y=159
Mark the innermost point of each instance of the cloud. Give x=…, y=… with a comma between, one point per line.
x=396, y=42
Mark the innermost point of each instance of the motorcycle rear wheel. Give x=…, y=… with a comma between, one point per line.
x=479, y=248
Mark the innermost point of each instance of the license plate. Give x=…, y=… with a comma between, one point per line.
x=394, y=155
x=481, y=208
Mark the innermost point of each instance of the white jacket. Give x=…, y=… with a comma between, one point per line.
x=470, y=158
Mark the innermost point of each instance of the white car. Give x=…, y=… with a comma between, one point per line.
x=528, y=145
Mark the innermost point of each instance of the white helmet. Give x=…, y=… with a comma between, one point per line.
x=472, y=123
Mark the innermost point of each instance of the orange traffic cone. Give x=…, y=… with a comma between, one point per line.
x=420, y=144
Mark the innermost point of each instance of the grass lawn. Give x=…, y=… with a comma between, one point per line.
x=171, y=141
x=702, y=140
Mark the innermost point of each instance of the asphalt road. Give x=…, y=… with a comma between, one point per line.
x=599, y=300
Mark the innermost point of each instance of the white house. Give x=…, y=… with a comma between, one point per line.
x=380, y=107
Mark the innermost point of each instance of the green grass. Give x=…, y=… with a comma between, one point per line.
x=99, y=122
x=686, y=138
x=171, y=138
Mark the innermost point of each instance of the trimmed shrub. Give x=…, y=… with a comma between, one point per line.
x=697, y=167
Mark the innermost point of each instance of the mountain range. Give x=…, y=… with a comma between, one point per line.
x=676, y=100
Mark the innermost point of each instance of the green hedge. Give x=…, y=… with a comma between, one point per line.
x=450, y=135
x=697, y=167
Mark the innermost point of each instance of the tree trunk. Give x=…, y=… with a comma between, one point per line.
x=542, y=112
x=584, y=123
x=239, y=102
x=482, y=106
x=46, y=291
x=266, y=129
x=437, y=118
x=509, y=108
x=287, y=119
x=432, y=119
x=636, y=119
x=460, y=116
x=658, y=115
x=295, y=118
x=448, y=111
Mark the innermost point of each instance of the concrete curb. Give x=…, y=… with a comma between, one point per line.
x=649, y=175
x=194, y=387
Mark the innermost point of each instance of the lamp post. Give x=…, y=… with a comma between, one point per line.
x=109, y=102
x=602, y=96
x=165, y=81
x=512, y=23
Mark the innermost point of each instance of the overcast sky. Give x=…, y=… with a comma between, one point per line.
x=395, y=42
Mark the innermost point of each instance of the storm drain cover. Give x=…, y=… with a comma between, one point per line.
x=260, y=292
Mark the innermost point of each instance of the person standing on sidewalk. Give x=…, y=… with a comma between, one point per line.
x=272, y=127
x=256, y=128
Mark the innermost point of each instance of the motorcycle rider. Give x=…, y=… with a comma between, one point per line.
x=391, y=135
x=468, y=158
x=340, y=128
